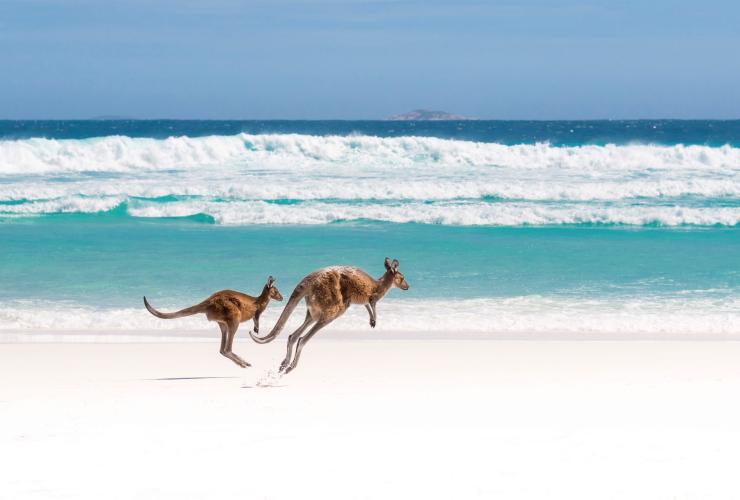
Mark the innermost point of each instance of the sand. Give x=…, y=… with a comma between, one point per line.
x=372, y=419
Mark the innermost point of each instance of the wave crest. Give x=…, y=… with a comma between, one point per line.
x=304, y=179
x=121, y=153
x=450, y=213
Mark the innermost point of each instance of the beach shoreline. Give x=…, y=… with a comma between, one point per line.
x=210, y=335
x=371, y=419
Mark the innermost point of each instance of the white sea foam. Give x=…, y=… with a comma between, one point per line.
x=293, y=151
x=507, y=185
x=406, y=179
x=517, y=315
x=470, y=213
x=67, y=204
x=114, y=154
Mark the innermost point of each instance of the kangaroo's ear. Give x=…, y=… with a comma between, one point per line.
x=387, y=264
x=270, y=280
x=394, y=265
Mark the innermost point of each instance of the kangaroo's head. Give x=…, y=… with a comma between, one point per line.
x=274, y=293
x=398, y=279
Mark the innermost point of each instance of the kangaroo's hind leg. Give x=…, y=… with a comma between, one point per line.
x=224, y=333
x=231, y=327
x=302, y=342
x=371, y=311
x=225, y=349
x=294, y=338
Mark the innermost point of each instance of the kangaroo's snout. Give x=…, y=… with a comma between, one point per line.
x=275, y=295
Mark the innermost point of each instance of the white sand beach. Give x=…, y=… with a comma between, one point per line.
x=372, y=419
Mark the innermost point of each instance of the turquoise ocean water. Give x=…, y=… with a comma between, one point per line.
x=500, y=227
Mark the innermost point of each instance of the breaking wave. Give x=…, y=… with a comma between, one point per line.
x=306, y=179
x=450, y=213
x=122, y=154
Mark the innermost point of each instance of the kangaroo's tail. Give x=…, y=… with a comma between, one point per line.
x=188, y=311
x=299, y=292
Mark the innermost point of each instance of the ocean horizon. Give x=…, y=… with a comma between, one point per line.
x=604, y=226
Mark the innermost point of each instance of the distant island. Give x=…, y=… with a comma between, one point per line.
x=427, y=115
x=103, y=118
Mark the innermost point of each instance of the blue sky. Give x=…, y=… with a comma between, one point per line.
x=527, y=59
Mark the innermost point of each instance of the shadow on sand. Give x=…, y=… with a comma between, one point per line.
x=184, y=378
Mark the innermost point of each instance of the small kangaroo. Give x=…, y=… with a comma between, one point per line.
x=228, y=308
x=329, y=292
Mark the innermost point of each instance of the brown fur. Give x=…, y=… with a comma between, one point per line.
x=328, y=293
x=228, y=308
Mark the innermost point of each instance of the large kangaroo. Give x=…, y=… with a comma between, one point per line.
x=228, y=308
x=329, y=292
